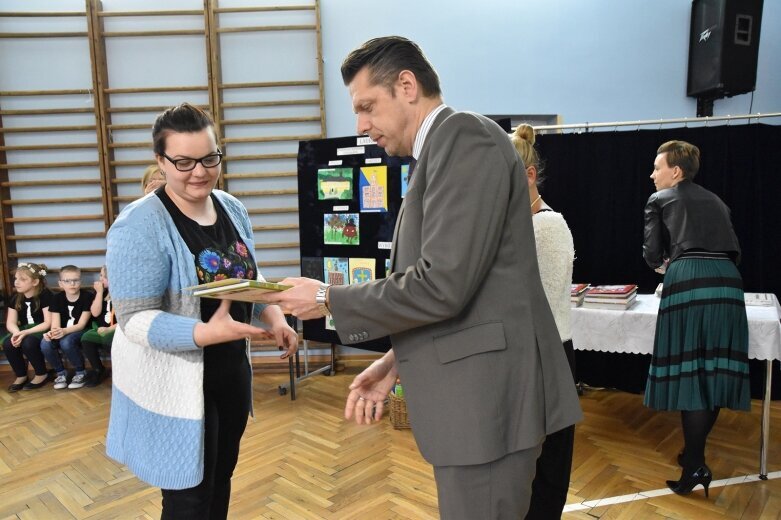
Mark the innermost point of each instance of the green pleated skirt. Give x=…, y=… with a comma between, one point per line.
x=101, y=339
x=700, y=358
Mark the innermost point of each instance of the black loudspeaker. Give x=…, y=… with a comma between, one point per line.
x=504, y=122
x=723, y=47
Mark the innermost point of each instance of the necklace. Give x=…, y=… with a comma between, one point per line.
x=535, y=200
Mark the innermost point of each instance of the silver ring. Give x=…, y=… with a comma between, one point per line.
x=360, y=398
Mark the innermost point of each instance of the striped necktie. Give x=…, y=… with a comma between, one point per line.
x=412, y=163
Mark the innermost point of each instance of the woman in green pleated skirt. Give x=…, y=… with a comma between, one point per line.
x=700, y=358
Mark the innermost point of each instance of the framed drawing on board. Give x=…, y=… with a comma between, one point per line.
x=349, y=195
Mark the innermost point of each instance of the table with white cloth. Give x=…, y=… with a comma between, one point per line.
x=631, y=331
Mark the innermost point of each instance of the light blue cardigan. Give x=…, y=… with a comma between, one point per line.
x=156, y=426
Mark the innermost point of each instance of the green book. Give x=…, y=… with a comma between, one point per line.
x=236, y=289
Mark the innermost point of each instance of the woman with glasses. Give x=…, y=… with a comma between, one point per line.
x=181, y=370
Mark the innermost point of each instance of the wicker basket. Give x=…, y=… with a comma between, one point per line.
x=398, y=412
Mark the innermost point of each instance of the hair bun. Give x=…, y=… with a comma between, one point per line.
x=525, y=132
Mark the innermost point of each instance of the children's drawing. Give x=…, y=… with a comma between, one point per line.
x=335, y=183
x=341, y=229
x=373, y=186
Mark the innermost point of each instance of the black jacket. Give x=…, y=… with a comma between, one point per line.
x=686, y=217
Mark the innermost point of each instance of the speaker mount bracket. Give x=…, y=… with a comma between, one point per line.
x=705, y=106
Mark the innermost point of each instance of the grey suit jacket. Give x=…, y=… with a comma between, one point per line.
x=478, y=352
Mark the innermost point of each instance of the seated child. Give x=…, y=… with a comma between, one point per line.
x=27, y=318
x=70, y=314
x=152, y=179
x=102, y=331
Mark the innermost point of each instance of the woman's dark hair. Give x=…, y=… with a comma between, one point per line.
x=184, y=118
x=385, y=58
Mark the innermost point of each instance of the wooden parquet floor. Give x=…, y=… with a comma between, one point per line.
x=301, y=460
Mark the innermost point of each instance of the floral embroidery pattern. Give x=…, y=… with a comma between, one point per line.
x=209, y=260
x=233, y=262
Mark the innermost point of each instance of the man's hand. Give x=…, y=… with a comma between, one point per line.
x=298, y=300
x=369, y=389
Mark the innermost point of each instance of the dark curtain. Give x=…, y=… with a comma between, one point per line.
x=600, y=182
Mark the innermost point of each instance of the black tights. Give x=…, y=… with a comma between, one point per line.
x=697, y=424
x=227, y=398
x=92, y=353
x=554, y=465
x=29, y=350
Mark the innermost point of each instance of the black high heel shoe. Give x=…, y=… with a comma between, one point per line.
x=690, y=479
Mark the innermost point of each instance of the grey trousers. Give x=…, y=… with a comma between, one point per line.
x=497, y=490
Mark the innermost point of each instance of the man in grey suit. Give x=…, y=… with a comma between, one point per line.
x=474, y=341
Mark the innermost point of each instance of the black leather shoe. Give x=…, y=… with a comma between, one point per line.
x=15, y=387
x=691, y=479
x=29, y=385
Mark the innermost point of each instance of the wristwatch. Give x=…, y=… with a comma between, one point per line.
x=320, y=299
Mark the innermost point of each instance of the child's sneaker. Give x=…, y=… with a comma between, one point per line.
x=78, y=381
x=61, y=382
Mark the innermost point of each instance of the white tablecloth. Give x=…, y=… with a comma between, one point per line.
x=632, y=331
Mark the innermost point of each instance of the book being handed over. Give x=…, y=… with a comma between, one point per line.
x=236, y=289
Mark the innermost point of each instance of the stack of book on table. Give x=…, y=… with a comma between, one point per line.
x=576, y=294
x=616, y=297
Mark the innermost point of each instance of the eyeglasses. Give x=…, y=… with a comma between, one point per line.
x=187, y=164
x=71, y=281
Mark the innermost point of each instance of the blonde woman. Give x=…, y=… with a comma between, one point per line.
x=555, y=254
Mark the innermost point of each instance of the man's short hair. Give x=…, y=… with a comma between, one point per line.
x=684, y=155
x=385, y=58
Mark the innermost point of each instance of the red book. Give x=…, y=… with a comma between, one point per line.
x=577, y=288
x=611, y=290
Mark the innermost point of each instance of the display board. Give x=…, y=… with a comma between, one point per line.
x=349, y=195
